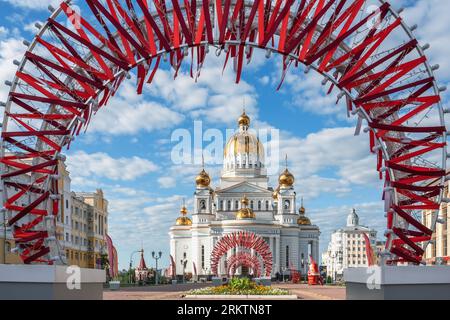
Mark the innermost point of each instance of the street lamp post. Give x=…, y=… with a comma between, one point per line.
x=184, y=263
x=5, y=225
x=131, y=263
x=156, y=257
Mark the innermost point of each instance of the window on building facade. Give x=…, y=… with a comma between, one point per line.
x=229, y=205
x=287, y=204
x=287, y=256
x=236, y=205
x=221, y=205
x=259, y=205
x=251, y=205
x=267, y=205
x=203, y=257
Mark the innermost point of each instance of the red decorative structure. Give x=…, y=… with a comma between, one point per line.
x=314, y=277
x=112, y=258
x=369, y=251
x=295, y=274
x=369, y=55
x=172, y=268
x=242, y=240
x=243, y=259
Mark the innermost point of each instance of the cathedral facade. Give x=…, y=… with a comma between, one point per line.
x=244, y=201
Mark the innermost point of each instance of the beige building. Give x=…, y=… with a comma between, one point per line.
x=81, y=227
x=438, y=251
x=347, y=248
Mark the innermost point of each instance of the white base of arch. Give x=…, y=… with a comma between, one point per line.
x=398, y=283
x=42, y=282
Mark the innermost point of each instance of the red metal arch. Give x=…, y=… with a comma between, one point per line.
x=245, y=259
x=242, y=240
x=67, y=74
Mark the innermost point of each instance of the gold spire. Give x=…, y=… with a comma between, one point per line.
x=245, y=212
x=302, y=209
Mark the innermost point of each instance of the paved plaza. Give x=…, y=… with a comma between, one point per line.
x=171, y=292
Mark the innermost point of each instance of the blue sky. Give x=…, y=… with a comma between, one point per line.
x=126, y=150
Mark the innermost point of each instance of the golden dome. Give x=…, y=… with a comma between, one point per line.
x=244, y=212
x=244, y=143
x=303, y=220
x=203, y=179
x=275, y=193
x=245, y=201
x=183, y=220
x=286, y=179
x=244, y=120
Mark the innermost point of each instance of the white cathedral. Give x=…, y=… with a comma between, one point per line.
x=243, y=201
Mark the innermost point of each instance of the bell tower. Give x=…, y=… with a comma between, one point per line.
x=203, y=197
x=285, y=197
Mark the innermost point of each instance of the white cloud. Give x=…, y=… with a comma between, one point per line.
x=30, y=27
x=84, y=165
x=129, y=113
x=431, y=16
x=167, y=182
x=33, y=4
x=335, y=148
x=214, y=97
x=10, y=49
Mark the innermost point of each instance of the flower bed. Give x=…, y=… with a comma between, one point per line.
x=240, y=287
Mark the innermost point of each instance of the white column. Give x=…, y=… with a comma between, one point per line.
x=315, y=250
x=277, y=254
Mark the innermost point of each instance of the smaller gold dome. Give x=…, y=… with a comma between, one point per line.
x=303, y=221
x=203, y=179
x=183, y=220
x=244, y=201
x=286, y=179
x=244, y=120
x=244, y=212
x=276, y=193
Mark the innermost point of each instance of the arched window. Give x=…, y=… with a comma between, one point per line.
x=251, y=204
x=267, y=205
x=259, y=205
x=236, y=204
x=229, y=205
x=221, y=205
